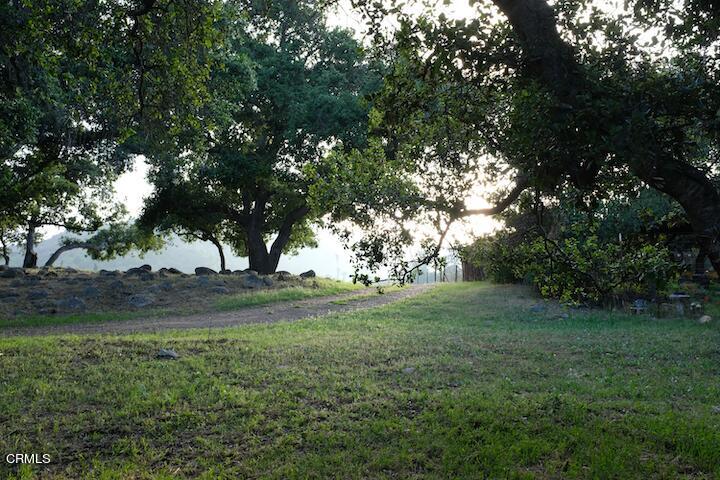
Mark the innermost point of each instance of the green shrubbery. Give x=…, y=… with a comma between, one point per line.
x=580, y=257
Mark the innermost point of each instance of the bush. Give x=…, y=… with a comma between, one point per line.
x=584, y=270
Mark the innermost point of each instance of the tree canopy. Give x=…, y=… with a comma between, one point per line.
x=266, y=141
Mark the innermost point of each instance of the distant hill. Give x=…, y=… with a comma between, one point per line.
x=328, y=260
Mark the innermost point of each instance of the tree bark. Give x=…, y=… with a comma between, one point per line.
x=550, y=60
x=266, y=261
x=70, y=246
x=219, y=247
x=30, y=260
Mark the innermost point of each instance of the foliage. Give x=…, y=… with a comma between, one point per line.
x=494, y=255
x=583, y=270
x=555, y=98
x=83, y=87
x=266, y=142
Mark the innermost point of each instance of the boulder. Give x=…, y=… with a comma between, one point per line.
x=141, y=300
x=226, y=272
x=268, y=281
x=308, y=274
x=109, y=273
x=12, y=272
x=71, y=303
x=91, y=292
x=252, y=281
x=705, y=319
x=135, y=271
x=203, y=281
x=220, y=290
x=250, y=272
x=205, y=271
x=38, y=294
x=283, y=276
x=145, y=267
x=174, y=271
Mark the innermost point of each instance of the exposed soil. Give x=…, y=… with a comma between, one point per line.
x=278, y=312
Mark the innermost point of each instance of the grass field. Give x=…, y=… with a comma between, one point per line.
x=251, y=298
x=461, y=382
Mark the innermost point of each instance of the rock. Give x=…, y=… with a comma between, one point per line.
x=174, y=271
x=70, y=270
x=140, y=300
x=147, y=276
x=220, y=290
x=705, y=319
x=109, y=273
x=308, y=274
x=72, y=303
x=205, y=271
x=283, y=276
x=12, y=272
x=538, y=308
x=166, y=286
x=252, y=281
x=39, y=294
x=409, y=370
x=9, y=294
x=91, y=292
x=167, y=354
x=226, y=272
x=203, y=281
x=116, y=285
x=250, y=272
x=239, y=272
x=154, y=289
x=268, y=281
x=135, y=271
x=145, y=267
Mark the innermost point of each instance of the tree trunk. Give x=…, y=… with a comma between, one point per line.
x=262, y=260
x=219, y=247
x=70, y=246
x=30, y=260
x=550, y=60
x=258, y=254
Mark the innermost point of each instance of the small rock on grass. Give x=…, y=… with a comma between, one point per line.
x=167, y=354
x=538, y=308
x=409, y=370
x=705, y=319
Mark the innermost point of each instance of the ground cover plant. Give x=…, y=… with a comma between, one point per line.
x=466, y=381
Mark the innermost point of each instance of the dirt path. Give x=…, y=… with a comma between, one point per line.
x=271, y=313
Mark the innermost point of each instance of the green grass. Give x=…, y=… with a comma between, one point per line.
x=461, y=382
x=370, y=292
x=325, y=287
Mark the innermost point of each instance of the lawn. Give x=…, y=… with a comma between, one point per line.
x=462, y=382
